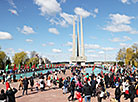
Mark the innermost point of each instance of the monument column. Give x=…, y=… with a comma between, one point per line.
x=74, y=37
x=78, y=52
x=82, y=44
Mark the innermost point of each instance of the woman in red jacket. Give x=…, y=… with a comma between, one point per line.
x=7, y=85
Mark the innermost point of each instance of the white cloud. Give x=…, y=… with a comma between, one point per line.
x=93, y=55
x=70, y=50
x=123, y=44
x=13, y=11
x=119, y=28
x=115, y=39
x=91, y=51
x=50, y=7
x=63, y=1
x=5, y=35
x=92, y=46
x=57, y=21
x=28, y=52
x=12, y=3
x=68, y=43
x=108, y=48
x=96, y=10
x=120, y=23
x=125, y=1
x=120, y=19
x=68, y=18
x=20, y=49
x=43, y=45
x=101, y=52
x=53, y=30
x=26, y=30
x=81, y=12
x=126, y=38
x=29, y=40
x=56, y=50
x=51, y=43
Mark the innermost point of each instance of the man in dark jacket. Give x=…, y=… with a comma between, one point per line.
x=25, y=84
x=93, y=86
x=31, y=83
x=3, y=96
x=117, y=93
x=132, y=92
x=106, y=78
x=60, y=82
x=11, y=94
x=87, y=91
x=72, y=89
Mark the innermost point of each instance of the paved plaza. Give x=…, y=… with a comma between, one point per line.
x=52, y=95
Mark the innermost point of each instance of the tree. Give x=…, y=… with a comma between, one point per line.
x=3, y=59
x=33, y=61
x=33, y=54
x=20, y=58
x=129, y=56
x=121, y=54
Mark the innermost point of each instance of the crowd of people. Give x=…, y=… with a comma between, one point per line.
x=81, y=85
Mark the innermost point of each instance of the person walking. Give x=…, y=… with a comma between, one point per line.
x=31, y=83
x=3, y=96
x=72, y=89
x=7, y=84
x=65, y=86
x=132, y=92
x=25, y=85
x=21, y=82
x=79, y=85
x=117, y=92
x=87, y=91
x=11, y=94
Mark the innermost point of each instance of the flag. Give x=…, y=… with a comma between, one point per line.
x=37, y=66
x=30, y=66
x=45, y=65
x=93, y=67
x=7, y=68
x=19, y=67
x=102, y=73
x=25, y=66
x=14, y=67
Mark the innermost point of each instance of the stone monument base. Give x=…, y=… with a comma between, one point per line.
x=79, y=60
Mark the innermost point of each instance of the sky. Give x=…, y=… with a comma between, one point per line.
x=45, y=26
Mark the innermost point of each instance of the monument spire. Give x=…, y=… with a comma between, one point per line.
x=78, y=52
x=74, y=37
x=82, y=44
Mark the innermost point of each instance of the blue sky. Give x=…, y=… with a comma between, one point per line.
x=45, y=26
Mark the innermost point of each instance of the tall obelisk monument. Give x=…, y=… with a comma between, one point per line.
x=79, y=59
x=74, y=37
x=82, y=43
x=78, y=42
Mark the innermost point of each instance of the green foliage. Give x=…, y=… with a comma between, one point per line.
x=19, y=58
x=129, y=55
x=33, y=61
x=3, y=58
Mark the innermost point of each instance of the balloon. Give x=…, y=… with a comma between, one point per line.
x=78, y=95
x=80, y=99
